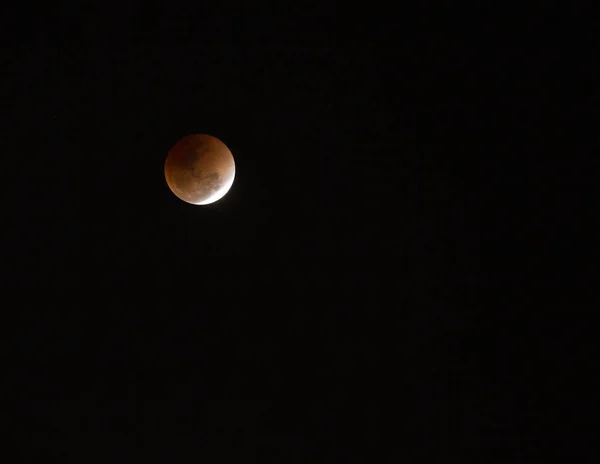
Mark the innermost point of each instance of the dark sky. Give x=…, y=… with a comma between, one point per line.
x=330, y=306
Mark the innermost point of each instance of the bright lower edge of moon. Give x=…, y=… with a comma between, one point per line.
x=219, y=193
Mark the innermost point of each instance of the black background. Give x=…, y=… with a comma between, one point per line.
x=331, y=306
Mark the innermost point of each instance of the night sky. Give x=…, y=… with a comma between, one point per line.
x=330, y=306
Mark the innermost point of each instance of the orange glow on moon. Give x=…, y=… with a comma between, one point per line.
x=199, y=169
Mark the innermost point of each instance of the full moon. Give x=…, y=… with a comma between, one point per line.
x=199, y=169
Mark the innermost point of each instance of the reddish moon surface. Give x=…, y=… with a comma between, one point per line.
x=199, y=169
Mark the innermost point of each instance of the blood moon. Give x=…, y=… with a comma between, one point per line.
x=199, y=169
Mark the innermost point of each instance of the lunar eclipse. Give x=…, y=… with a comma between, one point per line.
x=199, y=169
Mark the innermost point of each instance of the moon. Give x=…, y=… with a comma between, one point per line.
x=199, y=169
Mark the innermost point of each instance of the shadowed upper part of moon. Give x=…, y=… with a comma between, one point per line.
x=199, y=169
